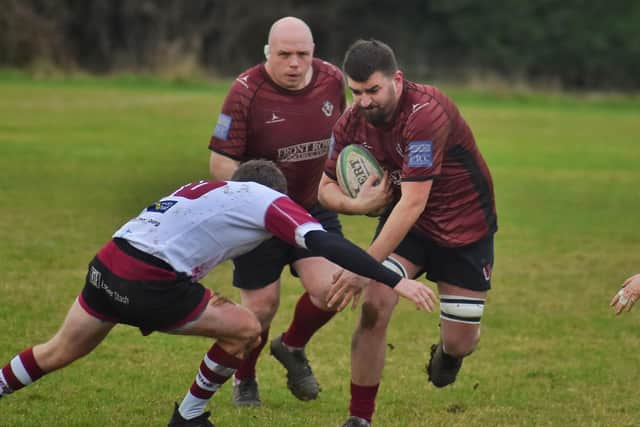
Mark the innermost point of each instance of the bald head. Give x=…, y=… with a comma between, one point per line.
x=290, y=53
x=290, y=28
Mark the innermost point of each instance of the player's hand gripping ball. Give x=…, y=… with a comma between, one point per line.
x=354, y=165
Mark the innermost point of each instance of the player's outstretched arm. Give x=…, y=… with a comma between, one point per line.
x=627, y=296
x=347, y=288
x=349, y=256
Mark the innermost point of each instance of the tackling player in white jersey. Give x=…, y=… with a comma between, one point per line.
x=147, y=276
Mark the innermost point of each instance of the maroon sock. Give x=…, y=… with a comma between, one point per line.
x=363, y=400
x=307, y=319
x=21, y=371
x=213, y=372
x=248, y=368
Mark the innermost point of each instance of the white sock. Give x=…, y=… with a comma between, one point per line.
x=192, y=407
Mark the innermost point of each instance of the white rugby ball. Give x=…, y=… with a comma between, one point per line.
x=354, y=165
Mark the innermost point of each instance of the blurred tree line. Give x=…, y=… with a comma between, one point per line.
x=576, y=44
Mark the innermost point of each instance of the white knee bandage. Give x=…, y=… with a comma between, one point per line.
x=461, y=309
x=394, y=265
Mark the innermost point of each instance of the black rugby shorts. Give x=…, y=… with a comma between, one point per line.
x=140, y=290
x=468, y=266
x=263, y=265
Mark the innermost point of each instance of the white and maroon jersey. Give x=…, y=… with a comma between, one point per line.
x=261, y=120
x=205, y=223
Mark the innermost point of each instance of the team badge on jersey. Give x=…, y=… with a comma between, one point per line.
x=222, y=127
x=327, y=108
x=161, y=206
x=420, y=155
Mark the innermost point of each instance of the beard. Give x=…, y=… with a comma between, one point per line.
x=376, y=116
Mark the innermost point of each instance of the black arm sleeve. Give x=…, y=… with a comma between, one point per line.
x=349, y=256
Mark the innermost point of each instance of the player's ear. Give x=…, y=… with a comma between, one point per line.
x=266, y=51
x=398, y=77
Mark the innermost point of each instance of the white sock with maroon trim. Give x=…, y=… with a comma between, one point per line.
x=216, y=368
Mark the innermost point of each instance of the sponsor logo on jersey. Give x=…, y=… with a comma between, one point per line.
x=161, y=206
x=244, y=81
x=304, y=151
x=420, y=155
x=327, y=108
x=221, y=130
x=274, y=119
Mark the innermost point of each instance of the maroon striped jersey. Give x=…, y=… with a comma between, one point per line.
x=261, y=120
x=428, y=139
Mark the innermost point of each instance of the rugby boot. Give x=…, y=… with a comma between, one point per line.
x=356, y=422
x=442, y=369
x=300, y=379
x=245, y=392
x=199, y=421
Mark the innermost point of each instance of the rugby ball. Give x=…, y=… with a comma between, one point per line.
x=354, y=165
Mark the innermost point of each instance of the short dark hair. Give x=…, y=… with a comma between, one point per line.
x=365, y=57
x=263, y=172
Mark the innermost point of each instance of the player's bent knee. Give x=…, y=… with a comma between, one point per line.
x=251, y=335
x=249, y=327
x=244, y=336
x=466, y=313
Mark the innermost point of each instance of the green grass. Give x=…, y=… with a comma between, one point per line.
x=79, y=156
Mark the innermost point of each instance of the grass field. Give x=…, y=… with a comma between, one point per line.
x=80, y=156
